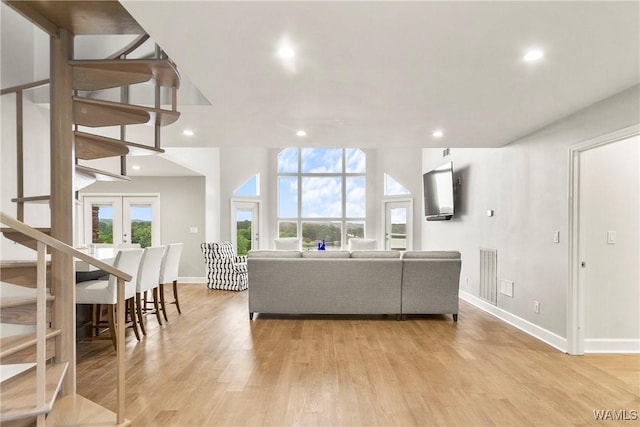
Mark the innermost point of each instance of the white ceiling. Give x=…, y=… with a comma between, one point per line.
x=374, y=74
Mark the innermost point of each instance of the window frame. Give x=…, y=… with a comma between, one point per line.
x=299, y=175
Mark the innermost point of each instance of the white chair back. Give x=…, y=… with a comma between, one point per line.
x=170, y=263
x=149, y=271
x=128, y=261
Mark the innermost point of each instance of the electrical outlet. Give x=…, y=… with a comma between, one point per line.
x=193, y=230
x=536, y=307
x=506, y=287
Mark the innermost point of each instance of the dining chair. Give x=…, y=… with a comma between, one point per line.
x=105, y=292
x=169, y=274
x=148, y=275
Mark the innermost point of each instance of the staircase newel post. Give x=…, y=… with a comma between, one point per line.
x=62, y=201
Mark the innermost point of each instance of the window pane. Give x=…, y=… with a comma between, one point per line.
x=322, y=160
x=244, y=219
x=355, y=197
x=355, y=160
x=287, y=197
x=288, y=160
x=141, y=216
x=287, y=229
x=399, y=229
x=314, y=232
x=321, y=197
x=102, y=225
x=355, y=229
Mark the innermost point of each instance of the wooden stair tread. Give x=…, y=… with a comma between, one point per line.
x=100, y=175
x=90, y=146
x=22, y=273
x=18, y=395
x=79, y=17
x=104, y=74
x=10, y=302
x=75, y=410
x=24, y=240
x=98, y=113
x=12, y=345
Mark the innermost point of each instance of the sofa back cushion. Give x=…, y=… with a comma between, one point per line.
x=273, y=254
x=375, y=254
x=357, y=244
x=431, y=255
x=326, y=254
x=287, y=244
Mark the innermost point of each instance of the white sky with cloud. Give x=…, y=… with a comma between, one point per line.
x=321, y=196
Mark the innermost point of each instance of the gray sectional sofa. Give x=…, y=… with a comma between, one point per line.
x=357, y=282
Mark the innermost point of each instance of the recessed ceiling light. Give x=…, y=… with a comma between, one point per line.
x=301, y=133
x=533, y=55
x=286, y=52
x=438, y=133
x=187, y=132
x=135, y=167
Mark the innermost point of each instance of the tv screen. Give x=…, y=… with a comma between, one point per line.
x=438, y=193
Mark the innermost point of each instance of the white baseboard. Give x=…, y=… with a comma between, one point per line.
x=532, y=329
x=192, y=280
x=596, y=345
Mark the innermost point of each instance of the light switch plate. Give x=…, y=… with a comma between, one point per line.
x=611, y=237
x=556, y=236
x=193, y=230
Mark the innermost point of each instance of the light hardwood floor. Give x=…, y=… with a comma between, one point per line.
x=212, y=366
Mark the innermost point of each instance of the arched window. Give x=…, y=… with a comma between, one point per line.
x=321, y=195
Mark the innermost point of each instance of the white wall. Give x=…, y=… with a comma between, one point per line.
x=526, y=184
x=182, y=206
x=609, y=201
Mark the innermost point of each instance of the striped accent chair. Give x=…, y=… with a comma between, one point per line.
x=225, y=270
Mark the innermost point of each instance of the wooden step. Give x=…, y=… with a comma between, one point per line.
x=79, y=17
x=104, y=74
x=21, y=310
x=21, y=348
x=100, y=175
x=90, y=146
x=18, y=395
x=98, y=113
x=75, y=410
x=23, y=273
x=27, y=241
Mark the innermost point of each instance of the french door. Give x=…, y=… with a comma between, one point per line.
x=118, y=220
x=398, y=229
x=245, y=225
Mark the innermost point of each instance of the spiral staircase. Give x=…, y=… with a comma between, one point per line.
x=37, y=338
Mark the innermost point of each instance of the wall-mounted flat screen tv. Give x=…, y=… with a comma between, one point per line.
x=438, y=193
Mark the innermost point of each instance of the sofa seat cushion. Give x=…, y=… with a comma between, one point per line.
x=375, y=254
x=326, y=254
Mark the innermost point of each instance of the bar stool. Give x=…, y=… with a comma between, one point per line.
x=148, y=275
x=169, y=274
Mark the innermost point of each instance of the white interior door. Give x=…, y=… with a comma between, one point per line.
x=398, y=229
x=245, y=225
x=117, y=220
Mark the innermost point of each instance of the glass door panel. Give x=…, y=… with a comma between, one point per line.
x=141, y=225
x=398, y=225
x=245, y=226
x=102, y=220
